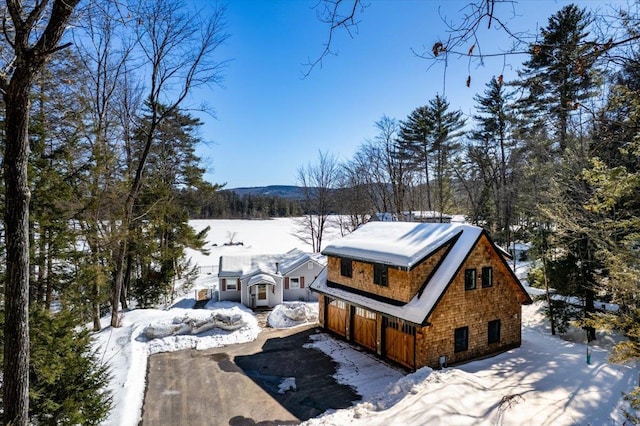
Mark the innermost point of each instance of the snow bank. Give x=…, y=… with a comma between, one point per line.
x=292, y=314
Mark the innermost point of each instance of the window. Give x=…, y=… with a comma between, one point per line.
x=346, y=270
x=340, y=304
x=380, y=274
x=309, y=265
x=294, y=282
x=365, y=313
x=232, y=284
x=461, y=339
x=494, y=331
x=487, y=276
x=470, y=279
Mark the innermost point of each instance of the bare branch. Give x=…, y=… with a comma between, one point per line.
x=332, y=15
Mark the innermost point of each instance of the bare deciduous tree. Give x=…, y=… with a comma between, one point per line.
x=318, y=182
x=179, y=48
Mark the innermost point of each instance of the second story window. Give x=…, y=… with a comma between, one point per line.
x=470, y=279
x=487, y=276
x=346, y=270
x=380, y=274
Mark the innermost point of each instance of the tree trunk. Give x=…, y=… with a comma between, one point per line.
x=126, y=284
x=16, y=328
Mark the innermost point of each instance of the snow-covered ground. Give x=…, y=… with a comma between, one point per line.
x=545, y=381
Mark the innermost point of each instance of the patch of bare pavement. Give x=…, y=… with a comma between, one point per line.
x=240, y=384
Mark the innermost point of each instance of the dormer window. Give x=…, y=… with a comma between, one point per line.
x=346, y=269
x=380, y=274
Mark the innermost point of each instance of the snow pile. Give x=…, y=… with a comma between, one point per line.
x=188, y=325
x=292, y=314
x=287, y=384
x=127, y=348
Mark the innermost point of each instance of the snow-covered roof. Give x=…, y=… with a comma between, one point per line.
x=426, y=214
x=403, y=244
x=261, y=279
x=400, y=243
x=295, y=258
x=283, y=263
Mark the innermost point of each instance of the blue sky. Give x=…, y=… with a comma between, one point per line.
x=271, y=121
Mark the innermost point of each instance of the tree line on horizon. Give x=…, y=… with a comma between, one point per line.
x=111, y=180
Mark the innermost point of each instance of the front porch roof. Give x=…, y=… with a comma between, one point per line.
x=261, y=279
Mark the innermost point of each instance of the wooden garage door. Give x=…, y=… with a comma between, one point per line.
x=364, y=328
x=399, y=344
x=337, y=316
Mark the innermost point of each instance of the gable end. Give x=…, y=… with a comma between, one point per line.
x=455, y=274
x=451, y=242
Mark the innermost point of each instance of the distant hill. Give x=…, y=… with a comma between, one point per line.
x=288, y=192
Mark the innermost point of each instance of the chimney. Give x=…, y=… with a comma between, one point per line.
x=277, y=267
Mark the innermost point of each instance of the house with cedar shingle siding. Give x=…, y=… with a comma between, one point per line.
x=421, y=294
x=266, y=280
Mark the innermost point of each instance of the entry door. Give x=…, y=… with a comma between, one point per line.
x=262, y=296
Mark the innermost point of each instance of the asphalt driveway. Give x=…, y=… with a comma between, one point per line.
x=240, y=384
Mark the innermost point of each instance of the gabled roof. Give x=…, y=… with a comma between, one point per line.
x=243, y=266
x=406, y=244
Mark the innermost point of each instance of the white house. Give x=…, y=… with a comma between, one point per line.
x=267, y=280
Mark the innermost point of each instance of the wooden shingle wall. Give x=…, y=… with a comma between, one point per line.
x=473, y=309
x=402, y=284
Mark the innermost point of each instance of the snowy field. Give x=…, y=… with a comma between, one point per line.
x=546, y=381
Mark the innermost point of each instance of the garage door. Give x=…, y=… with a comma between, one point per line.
x=337, y=316
x=399, y=342
x=364, y=328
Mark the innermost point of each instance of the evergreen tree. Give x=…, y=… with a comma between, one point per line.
x=414, y=147
x=493, y=153
x=559, y=75
x=158, y=242
x=559, y=79
x=67, y=381
x=429, y=139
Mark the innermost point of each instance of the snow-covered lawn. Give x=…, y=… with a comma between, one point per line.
x=545, y=381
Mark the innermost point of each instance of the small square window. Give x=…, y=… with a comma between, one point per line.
x=487, y=276
x=380, y=274
x=461, y=339
x=470, y=279
x=346, y=269
x=294, y=282
x=232, y=284
x=494, y=331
